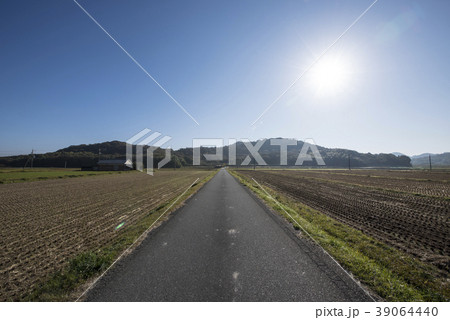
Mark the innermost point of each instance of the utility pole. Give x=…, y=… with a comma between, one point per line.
x=99, y=153
x=32, y=158
x=349, y=168
x=429, y=160
x=254, y=164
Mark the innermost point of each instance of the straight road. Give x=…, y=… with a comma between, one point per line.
x=224, y=245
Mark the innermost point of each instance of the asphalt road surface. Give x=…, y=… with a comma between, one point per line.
x=224, y=245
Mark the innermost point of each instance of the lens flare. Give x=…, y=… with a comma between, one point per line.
x=120, y=225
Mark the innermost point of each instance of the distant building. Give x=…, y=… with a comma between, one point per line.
x=112, y=165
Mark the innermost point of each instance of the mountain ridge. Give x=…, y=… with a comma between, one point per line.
x=87, y=155
x=437, y=159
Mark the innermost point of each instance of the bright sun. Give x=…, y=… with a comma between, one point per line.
x=330, y=76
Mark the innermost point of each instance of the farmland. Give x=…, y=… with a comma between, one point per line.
x=378, y=226
x=45, y=224
x=407, y=210
x=14, y=175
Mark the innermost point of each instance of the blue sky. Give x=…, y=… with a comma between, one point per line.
x=63, y=81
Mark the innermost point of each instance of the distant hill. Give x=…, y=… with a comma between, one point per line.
x=437, y=160
x=74, y=156
x=333, y=157
x=398, y=154
x=87, y=156
x=107, y=148
x=423, y=155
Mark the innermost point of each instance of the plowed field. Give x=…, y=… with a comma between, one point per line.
x=46, y=223
x=409, y=211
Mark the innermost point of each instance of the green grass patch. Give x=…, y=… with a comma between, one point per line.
x=67, y=284
x=390, y=273
x=15, y=175
x=80, y=269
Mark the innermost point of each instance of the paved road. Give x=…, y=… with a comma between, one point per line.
x=224, y=245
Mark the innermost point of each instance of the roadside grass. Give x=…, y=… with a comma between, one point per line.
x=392, y=274
x=69, y=283
x=15, y=175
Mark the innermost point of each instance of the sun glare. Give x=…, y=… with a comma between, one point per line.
x=330, y=76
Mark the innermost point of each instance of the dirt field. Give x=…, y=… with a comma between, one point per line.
x=408, y=210
x=434, y=183
x=46, y=223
